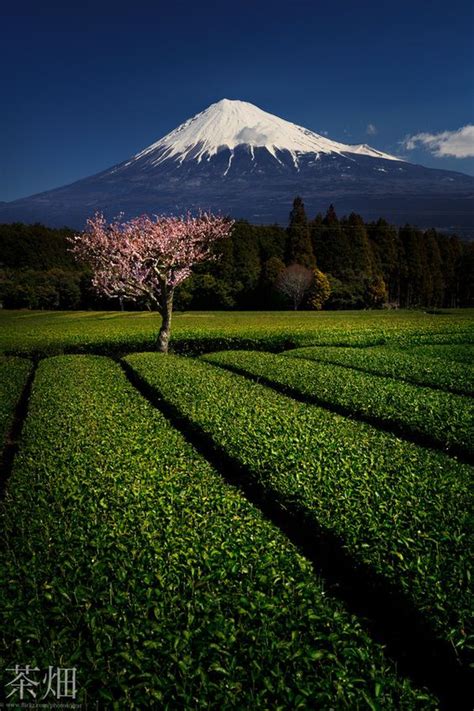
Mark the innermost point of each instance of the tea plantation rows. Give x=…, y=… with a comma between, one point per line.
x=441, y=418
x=138, y=537
x=461, y=353
x=400, y=365
x=398, y=507
x=43, y=333
x=136, y=563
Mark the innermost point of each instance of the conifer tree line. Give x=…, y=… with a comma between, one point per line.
x=364, y=264
x=325, y=262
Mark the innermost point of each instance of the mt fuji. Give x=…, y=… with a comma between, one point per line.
x=236, y=159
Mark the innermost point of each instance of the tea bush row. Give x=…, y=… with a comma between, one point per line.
x=126, y=556
x=413, y=368
x=457, y=353
x=111, y=333
x=437, y=417
x=401, y=509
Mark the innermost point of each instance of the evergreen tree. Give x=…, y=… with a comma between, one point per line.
x=412, y=289
x=362, y=258
x=456, y=250
x=268, y=295
x=299, y=246
x=331, y=217
x=386, y=249
x=271, y=241
x=450, y=250
x=359, y=260
x=466, y=275
x=334, y=255
x=319, y=243
x=435, y=295
x=246, y=263
x=271, y=270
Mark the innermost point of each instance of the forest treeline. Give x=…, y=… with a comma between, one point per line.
x=364, y=264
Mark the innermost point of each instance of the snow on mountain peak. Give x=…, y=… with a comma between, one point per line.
x=230, y=123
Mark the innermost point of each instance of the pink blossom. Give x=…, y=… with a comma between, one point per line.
x=145, y=256
x=148, y=257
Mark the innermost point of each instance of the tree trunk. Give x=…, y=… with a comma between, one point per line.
x=166, y=309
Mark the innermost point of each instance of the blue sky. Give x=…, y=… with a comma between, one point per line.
x=85, y=85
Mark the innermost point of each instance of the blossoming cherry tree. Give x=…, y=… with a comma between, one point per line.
x=148, y=257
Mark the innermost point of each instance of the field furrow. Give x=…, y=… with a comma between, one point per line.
x=14, y=373
x=125, y=555
x=401, y=510
x=418, y=369
x=433, y=417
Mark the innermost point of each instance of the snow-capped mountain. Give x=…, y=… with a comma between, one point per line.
x=239, y=160
x=230, y=124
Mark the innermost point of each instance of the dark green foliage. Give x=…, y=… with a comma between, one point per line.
x=267, y=291
x=418, y=268
x=346, y=255
x=299, y=249
x=463, y=353
x=386, y=249
x=466, y=274
x=408, y=366
x=347, y=294
x=414, y=274
x=401, y=509
x=435, y=287
x=14, y=373
x=271, y=270
x=108, y=333
x=452, y=256
x=32, y=289
x=331, y=245
x=37, y=271
x=125, y=555
x=443, y=418
x=204, y=291
x=362, y=260
x=35, y=247
x=236, y=279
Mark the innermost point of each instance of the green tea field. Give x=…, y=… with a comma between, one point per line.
x=276, y=515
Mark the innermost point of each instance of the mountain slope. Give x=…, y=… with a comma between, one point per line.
x=237, y=159
x=228, y=124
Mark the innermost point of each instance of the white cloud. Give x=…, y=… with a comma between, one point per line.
x=457, y=144
x=371, y=129
x=253, y=136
